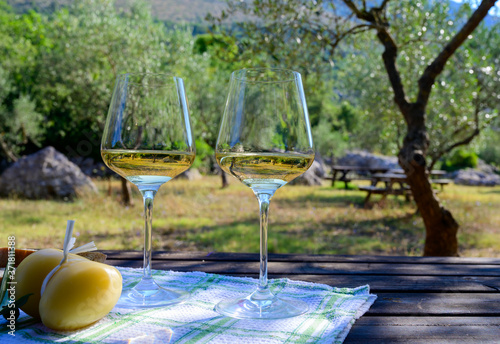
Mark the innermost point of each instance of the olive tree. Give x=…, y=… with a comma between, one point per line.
x=465, y=96
x=326, y=24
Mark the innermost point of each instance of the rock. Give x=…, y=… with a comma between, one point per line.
x=320, y=167
x=313, y=176
x=46, y=174
x=484, y=167
x=482, y=175
x=369, y=160
x=4, y=164
x=475, y=177
x=190, y=174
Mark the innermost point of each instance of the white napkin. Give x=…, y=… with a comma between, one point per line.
x=332, y=312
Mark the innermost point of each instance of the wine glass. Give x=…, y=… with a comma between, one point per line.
x=147, y=140
x=264, y=141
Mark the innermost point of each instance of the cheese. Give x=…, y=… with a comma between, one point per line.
x=78, y=294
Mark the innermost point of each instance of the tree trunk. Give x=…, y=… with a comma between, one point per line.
x=224, y=179
x=441, y=227
x=126, y=193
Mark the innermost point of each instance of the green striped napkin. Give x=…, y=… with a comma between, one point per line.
x=332, y=313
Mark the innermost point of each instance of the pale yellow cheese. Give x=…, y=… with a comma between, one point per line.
x=31, y=273
x=78, y=294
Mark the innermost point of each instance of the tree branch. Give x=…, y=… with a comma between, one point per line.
x=389, y=56
x=436, y=67
x=365, y=15
x=462, y=142
x=390, y=53
x=448, y=149
x=384, y=3
x=5, y=148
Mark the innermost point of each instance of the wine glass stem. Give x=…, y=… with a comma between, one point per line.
x=264, y=209
x=148, y=197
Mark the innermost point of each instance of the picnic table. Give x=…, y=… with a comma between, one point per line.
x=396, y=177
x=420, y=299
x=435, y=175
x=349, y=173
x=432, y=172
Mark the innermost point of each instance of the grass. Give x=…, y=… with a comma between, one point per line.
x=199, y=216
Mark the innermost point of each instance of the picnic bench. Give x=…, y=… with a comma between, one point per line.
x=420, y=299
x=389, y=180
x=441, y=182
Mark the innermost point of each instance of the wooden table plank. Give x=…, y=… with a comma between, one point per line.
x=292, y=268
x=432, y=330
x=442, y=304
x=382, y=283
x=236, y=257
x=378, y=283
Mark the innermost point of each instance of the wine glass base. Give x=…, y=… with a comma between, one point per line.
x=140, y=297
x=274, y=309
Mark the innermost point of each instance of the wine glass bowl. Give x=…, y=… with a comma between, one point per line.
x=265, y=142
x=147, y=140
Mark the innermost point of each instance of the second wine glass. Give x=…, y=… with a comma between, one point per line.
x=148, y=141
x=265, y=142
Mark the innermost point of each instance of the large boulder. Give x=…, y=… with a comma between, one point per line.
x=368, y=160
x=486, y=168
x=190, y=174
x=313, y=176
x=474, y=177
x=46, y=174
x=482, y=175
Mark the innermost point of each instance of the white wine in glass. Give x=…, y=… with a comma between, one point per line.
x=147, y=140
x=265, y=142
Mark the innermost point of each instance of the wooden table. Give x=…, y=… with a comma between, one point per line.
x=391, y=179
x=420, y=299
x=437, y=176
x=345, y=170
x=436, y=173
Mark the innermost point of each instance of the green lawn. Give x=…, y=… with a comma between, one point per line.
x=199, y=216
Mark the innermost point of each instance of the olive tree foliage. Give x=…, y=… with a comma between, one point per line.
x=489, y=145
x=360, y=80
x=465, y=97
x=292, y=34
x=70, y=73
x=66, y=63
x=207, y=80
x=20, y=123
x=90, y=44
x=306, y=35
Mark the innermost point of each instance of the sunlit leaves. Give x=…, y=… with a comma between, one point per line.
x=463, y=99
x=91, y=43
x=20, y=38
